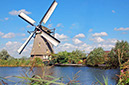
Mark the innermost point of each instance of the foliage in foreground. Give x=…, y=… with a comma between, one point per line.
x=124, y=74
x=105, y=81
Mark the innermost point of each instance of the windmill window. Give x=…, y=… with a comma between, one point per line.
x=39, y=44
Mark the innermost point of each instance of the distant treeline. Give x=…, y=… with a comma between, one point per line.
x=118, y=54
x=7, y=60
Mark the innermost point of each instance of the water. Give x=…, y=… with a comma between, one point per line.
x=87, y=75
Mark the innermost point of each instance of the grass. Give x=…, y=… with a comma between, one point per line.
x=105, y=81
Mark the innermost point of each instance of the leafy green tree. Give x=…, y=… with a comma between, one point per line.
x=122, y=48
x=4, y=55
x=77, y=55
x=62, y=57
x=69, y=57
x=96, y=57
x=120, y=53
x=113, y=58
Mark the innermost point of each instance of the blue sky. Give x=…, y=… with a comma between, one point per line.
x=80, y=24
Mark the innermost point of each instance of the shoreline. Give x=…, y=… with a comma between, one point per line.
x=63, y=65
x=17, y=66
x=78, y=65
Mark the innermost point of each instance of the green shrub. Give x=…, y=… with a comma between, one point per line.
x=96, y=57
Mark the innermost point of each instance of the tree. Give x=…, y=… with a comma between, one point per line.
x=61, y=57
x=69, y=57
x=119, y=54
x=122, y=49
x=77, y=55
x=96, y=57
x=113, y=58
x=4, y=55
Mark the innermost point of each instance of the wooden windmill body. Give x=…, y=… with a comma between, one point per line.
x=42, y=48
x=43, y=38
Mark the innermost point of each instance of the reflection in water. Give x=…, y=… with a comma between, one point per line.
x=87, y=74
x=41, y=71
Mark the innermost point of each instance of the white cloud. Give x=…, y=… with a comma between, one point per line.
x=14, y=12
x=108, y=44
x=76, y=41
x=110, y=41
x=100, y=34
x=1, y=33
x=9, y=35
x=70, y=47
x=97, y=39
x=113, y=11
x=90, y=30
x=12, y=48
x=81, y=35
x=78, y=44
x=61, y=37
x=86, y=48
x=59, y=25
x=106, y=47
x=66, y=46
x=121, y=29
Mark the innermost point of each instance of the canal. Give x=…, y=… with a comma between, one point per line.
x=87, y=75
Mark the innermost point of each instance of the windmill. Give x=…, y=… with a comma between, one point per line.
x=43, y=40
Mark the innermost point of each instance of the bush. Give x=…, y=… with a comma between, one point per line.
x=96, y=57
x=69, y=57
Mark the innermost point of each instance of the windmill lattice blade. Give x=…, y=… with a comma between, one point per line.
x=49, y=12
x=25, y=43
x=50, y=38
x=27, y=18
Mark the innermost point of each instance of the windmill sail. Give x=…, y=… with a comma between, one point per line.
x=27, y=18
x=25, y=43
x=49, y=12
x=50, y=38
